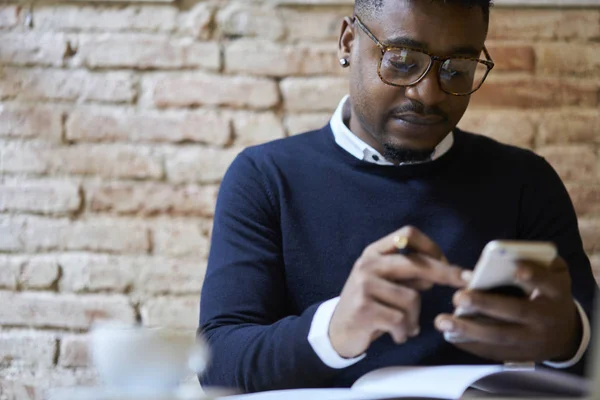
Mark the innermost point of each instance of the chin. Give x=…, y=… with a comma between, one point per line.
x=415, y=136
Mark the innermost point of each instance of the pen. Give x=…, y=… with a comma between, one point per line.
x=402, y=247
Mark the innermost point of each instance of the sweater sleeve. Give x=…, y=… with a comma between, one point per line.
x=256, y=344
x=547, y=213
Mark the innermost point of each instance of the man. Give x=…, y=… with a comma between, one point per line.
x=305, y=285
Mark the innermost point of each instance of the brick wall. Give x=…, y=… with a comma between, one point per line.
x=118, y=121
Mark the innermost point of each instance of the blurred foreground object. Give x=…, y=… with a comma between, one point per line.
x=135, y=362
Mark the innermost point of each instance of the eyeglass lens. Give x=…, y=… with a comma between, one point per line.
x=405, y=67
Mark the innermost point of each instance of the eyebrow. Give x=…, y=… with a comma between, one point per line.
x=403, y=41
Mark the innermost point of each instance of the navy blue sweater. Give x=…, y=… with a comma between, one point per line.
x=293, y=216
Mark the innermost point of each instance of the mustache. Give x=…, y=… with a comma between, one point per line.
x=418, y=108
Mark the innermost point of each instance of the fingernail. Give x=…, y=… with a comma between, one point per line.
x=446, y=325
x=416, y=332
x=454, y=338
x=466, y=275
x=524, y=274
x=464, y=300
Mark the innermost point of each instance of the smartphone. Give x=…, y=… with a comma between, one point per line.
x=497, y=265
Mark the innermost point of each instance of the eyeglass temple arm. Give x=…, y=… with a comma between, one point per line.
x=487, y=55
x=368, y=32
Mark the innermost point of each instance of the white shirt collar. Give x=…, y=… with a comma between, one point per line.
x=361, y=150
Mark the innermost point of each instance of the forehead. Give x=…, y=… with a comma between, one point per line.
x=440, y=27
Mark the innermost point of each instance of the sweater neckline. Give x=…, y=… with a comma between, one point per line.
x=400, y=170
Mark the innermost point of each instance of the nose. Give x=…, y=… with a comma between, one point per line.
x=427, y=91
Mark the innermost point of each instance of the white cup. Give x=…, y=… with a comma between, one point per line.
x=145, y=360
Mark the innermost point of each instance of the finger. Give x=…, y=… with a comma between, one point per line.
x=553, y=282
x=491, y=333
x=398, y=297
x=390, y=320
x=417, y=284
x=503, y=308
x=416, y=240
x=401, y=268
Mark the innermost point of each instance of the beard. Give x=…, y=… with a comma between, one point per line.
x=403, y=155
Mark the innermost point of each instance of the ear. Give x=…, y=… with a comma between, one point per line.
x=346, y=39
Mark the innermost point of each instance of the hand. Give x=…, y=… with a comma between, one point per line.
x=381, y=294
x=544, y=327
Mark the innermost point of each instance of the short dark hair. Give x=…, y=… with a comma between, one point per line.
x=368, y=8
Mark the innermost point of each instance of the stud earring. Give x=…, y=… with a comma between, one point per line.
x=344, y=63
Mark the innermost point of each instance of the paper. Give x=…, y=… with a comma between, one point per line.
x=444, y=382
x=312, y=394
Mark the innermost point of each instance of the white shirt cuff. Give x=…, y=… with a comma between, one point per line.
x=318, y=337
x=585, y=341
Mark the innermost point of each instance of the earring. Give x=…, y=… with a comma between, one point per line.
x=344, y=63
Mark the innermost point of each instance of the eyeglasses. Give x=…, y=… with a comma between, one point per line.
x=402, y=66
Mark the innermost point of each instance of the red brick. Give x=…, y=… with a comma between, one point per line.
x=12, y=389
x=271, y=59
x=199, y=126
x=590, y=233
x=249, y=20
x=183, y=90
x=109, y=161
x=68, y=85
x=28, y=271
x=512, y=58
x=63, y=310
x=167, y=275
x=39, y=196
x=10, y=268
x=106, y=161
x=11, y=233
x=152, y=199
x=38, y=384
x=105, y=18
x=33, y=48
x=570, y=126
x=39, y=272
x=30, y=122
x=9, y=15
x=197, y=21
x=299, y=123
x=256, y=128
x=568, y=59
x=203, y=165
x=313, y=94
x=85, y=272
x=143, y=51
x=102, y=234
x=577, y=162
x=179, y=239
x=30, y=158
x=315, y=24
x=74, y=351
x=549, y=24
x=27, y=349
x=174, y=312
x=535, y=93
x=585, y=197
x=512, y=127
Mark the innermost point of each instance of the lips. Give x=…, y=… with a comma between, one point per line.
x=419, y=119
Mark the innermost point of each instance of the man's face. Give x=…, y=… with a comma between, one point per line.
x=417, y=117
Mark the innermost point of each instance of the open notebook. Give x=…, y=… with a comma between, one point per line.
x=453, y=382
x=443, y=382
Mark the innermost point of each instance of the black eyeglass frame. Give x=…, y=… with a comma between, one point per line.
x=489, y=63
